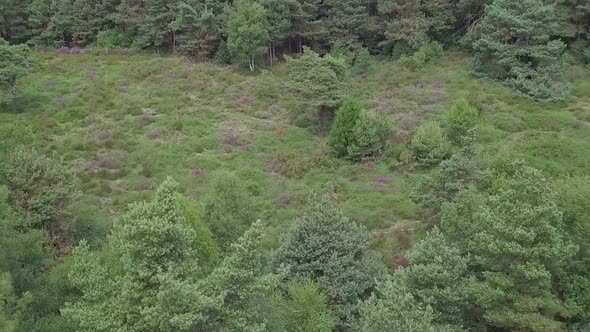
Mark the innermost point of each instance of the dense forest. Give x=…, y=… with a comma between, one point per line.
x=295, y=165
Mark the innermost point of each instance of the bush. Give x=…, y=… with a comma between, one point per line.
x=427, y=53
x=113, y=38
x=341, y=133
x=339, y=50
x=222, y=55
x=40, y=187
x=430, y=144
x=401, y=49
x=362, y=61
x=461, y=119
x=357, y=134
x=368, y=137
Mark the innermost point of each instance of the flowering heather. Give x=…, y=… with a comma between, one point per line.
x=124, y=89
x=383, y=179
x=284, y=200
x=154, y=135
x=369, y=165
x=70, y=51
x=198, y=172
x=232, y=140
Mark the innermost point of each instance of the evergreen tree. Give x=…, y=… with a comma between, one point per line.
x=304, y=308
x=198, y=29
x=516, y=248
x=242, y=283
x=331, y=250
x=156, y=28
x=438, y=278
x=41, y=12
x=13, y=20
x=229, y=210
x=317, y=80
x=146, y=278
x=395, y=309
x=344, y=20
x=247, y=31
x=515, y=44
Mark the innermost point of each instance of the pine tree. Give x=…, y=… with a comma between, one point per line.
x=41, y=12
x=229, y=210
x=13, y=20
x=344, y=20
x=247, y=31
x=156, y=28
x=317, y=80
x=394, y=308
x=331, y=250
x=438, y=277
x=515, y=44
x=242, y=283
x=303, y=308
x=198, y=29
x=146, y=277
x=516, y=248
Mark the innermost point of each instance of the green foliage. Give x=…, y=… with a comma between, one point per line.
x=401, y=49
x=519, y=220
x=303, y=308
x=222, y=55
x=14, y=135
x=331, y=250
x=247, y=31
x=242, y=284
x=40, y=188
x=317, y=80
x=113, y=38
x=455, y=174
x=395, y=309
x=430, y=144
x=363, y=62
x=206, y=247
x=586, y=54
x=574, y=200
x=145, y=277
x=10, y=305
x=438, y=278
x=341, y=134
x=527, y=60
x=14, y=63
x=428, y=53
x=198, y=28
x=339, y=50
x=356, y=134
x=369, y=135
x=461, y=119
x=229, y=209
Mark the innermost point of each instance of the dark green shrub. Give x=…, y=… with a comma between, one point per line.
x=362, y=61
x=339, y=50
x=430, y=144
x=40, y=187
x=401, y=49
x=461, y=119
x=368, y=137
x=222, y=55
x=357, y=134
x=427, y=53
x=341, y=134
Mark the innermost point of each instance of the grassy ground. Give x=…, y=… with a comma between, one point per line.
x=125, y=122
